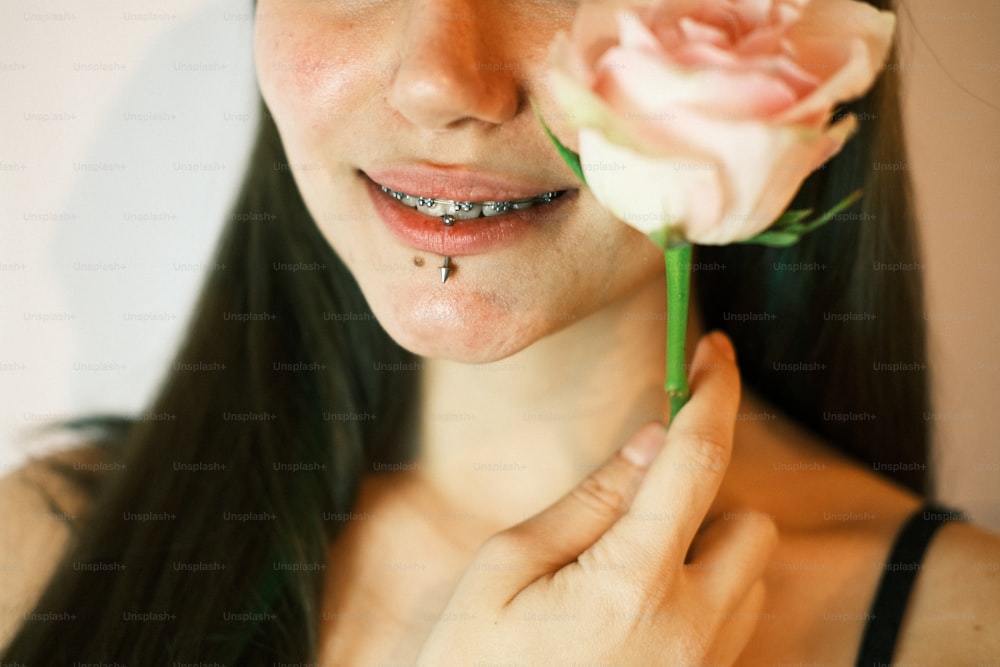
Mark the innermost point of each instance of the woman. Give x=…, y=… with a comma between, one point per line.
x=353, y=485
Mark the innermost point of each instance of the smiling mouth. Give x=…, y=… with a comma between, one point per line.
x=468, y=210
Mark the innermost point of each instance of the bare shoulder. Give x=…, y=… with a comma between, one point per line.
x=37, y=504
x=955, y=608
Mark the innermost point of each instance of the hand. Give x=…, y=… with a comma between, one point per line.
x=621, y=571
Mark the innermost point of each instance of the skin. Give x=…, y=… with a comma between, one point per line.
x=334, y=73
x=746, y=541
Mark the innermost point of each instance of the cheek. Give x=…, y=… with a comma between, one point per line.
x=313, y=70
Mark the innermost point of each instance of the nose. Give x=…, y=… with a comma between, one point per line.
x=452, y=68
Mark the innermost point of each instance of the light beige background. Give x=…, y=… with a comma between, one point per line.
x=82, y=183
x=952, y=106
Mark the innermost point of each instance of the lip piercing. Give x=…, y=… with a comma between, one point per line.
x=446, y=270
x=450, y=210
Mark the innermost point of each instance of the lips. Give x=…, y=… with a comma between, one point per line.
x=456, y=213
x=457, y=184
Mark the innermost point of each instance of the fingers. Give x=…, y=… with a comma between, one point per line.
x=731, y=555
x=738, y=627
x=726, y=571
x=681, y=484
x=558, y=535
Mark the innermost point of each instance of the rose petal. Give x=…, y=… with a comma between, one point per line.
x=634, y=35
x=798, y=161
x=700, y=54
x=845, y=44
x=624, y=77
x=786, y=13
x=764, y=167
x=751, y=13
x=709, y=114
x=851, y=81
x=583, y=108
x=796, y=78
x=696, y=31
x=650, y=194
x=764, y=41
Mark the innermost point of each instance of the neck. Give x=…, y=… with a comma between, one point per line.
x=503, y=440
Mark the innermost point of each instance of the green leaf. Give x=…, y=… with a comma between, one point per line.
x=774, y=239
x=790, y=228
x=790, y=218
x=569, y=156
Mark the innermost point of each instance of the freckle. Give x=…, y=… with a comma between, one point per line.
x=418, y=261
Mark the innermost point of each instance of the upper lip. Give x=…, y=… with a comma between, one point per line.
x=458, y=183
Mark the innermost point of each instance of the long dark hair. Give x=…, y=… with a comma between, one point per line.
x=208, y=540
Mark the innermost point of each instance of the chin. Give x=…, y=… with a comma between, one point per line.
x=459, y=324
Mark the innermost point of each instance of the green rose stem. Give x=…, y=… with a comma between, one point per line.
x=783, y=232
x=678, y=261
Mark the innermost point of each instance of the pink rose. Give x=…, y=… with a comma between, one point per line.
x=703, y=117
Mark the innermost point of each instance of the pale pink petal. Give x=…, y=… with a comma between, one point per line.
x=786, y=14
x=749, y=94
x=798, y=79
x=624, y=78
x=716, y=111
x=669, y=36
x=696, y=54
x=845, y=44
x=780, y=67
x=696, y=31
x=564, y=57
x=798, y=161
x=752, y=13
x=650, y=193
x=634, y=35
x=668, y=13
x=581, y=106
x=851, y=81
x=845, y=20
x=763, y=41
x=765, y=167
x=722, y=17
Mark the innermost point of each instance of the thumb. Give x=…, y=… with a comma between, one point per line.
x=556, y=536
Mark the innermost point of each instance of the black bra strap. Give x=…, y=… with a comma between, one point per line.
x=886, y=616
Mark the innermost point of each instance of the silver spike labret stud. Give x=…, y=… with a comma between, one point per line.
x=446, y=269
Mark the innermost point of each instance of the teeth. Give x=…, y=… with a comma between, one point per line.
x=431, y=206
x=409, y=200
x=463, y=210
x=468, y=210
x=496, y=208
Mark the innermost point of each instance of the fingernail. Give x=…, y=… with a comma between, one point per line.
x=723, y=345
x=642, y=449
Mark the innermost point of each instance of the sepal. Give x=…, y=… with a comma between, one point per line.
x=790, y=227
x=568, y=155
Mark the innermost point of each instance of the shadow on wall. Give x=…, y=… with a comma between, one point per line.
x=150, y=202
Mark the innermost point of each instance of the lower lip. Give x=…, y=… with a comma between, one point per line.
x=465, y=237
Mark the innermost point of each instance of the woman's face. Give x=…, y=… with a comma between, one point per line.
x=431, y=98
